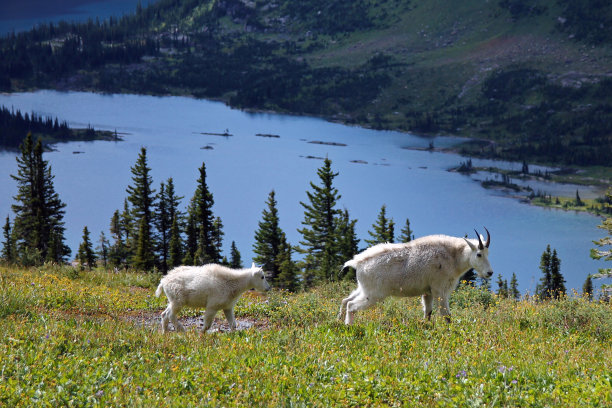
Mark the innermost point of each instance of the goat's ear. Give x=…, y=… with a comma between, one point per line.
x=472, y=246
x=253, y=265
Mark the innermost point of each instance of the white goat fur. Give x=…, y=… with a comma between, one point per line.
x=212, y=286
x=429, y=267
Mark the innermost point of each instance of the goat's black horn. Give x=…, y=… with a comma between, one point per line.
x=488, y=237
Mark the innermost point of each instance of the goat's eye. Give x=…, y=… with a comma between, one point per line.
x=262, y=277
x=479, y=255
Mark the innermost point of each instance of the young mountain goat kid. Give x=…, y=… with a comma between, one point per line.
x=429, y=267
x=212, y=286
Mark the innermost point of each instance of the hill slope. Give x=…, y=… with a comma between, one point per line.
x=533, y=76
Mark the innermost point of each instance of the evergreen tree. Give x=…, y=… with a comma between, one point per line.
x=8, y=249
x=514, y=291
x=348, y=243
x=141, y=196
x=407, y=233
x=268, y=238
x=163, y=223
x=605, y=244
x=118, y=251
x=587, y=288
x=176, y=247
x=191, y=235
x=39, y=212
x=86, y=254
x=235, y=258
x=218, y=237
x=502, y=287
x=288, y=272
x=384, y=229
x=103, y=249
x=578, y=200
x=544, y=289
x=143, y=258
x=558, y=282
x=203, y=218
x=319, y=241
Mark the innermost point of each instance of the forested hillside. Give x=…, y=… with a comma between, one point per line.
x=530, y=76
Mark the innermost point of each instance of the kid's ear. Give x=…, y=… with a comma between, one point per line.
x=253, y=265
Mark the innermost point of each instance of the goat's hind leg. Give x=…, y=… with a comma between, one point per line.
x=350, y=297
x=172, y=311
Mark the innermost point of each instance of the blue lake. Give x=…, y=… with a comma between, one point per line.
x=244, y=168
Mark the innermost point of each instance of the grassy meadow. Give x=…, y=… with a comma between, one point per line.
x=91, y=338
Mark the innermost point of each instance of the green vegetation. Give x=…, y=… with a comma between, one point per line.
x=531, y=76
x=14, y=126
x=88, y=338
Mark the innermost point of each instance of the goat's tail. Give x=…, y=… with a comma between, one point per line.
x=349, y=264
x=159, y=290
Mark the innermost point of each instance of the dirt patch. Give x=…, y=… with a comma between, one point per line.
x=152, y=320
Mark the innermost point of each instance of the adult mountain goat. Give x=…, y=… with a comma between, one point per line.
x=212, y=286
x=429, y=267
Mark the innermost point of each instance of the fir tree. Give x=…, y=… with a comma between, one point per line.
x=218, y=236
x=544, y=289
x=143, y=258
x=39, y=212
x=604, y=250
x=191, y=235
x=288, y=272
x=176, y=247
x=103, y=250
x=86, y=254
x=383, y=229
x=141, y=196
x=502, y=287
x=558, y=282
x=348, y=243
x=268, y=237
x=514, y=291
x=8, y=248
x=203, y=218
x=163, y=223
x=235, y=258
x=118, y=251
x=319, y=243
x=587, y=288
x=407, y=234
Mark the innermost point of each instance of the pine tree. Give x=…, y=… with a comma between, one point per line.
x=118, y=251
x=86, y=254
x=502, y=287
x=166, y=211
x=103, y=250
x=604, y=250
x=268, y=240
x=544, y=289
x=514, y=291
x=558, y=282
x=141, y=196
x=235, y=258
x=218, y=237
x=8, y=248
x=384, y=229
x=191, y=235
x=407, y=234
x=348, y=243
x=176, y=247
x=203, y=219
x=587, y=288
x=288, y=272
x=39, y=212
x=319, y=244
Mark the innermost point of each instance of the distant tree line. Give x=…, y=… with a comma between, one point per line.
x=14, y=126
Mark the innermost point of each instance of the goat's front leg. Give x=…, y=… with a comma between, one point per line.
x=229, y=315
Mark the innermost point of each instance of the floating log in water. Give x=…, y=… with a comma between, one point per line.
x=267, y=135
x=327, y=143
x=359, y=161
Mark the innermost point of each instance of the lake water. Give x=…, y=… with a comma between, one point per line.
x=244, y=168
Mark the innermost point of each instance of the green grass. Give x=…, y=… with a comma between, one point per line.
x=64, y=340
